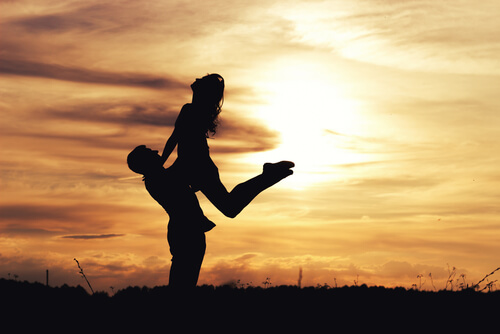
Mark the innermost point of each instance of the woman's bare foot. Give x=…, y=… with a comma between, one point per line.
x=278, y=170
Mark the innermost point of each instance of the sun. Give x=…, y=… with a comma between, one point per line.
x=313, y=119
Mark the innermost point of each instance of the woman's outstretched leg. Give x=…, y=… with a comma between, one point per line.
x=231, y=203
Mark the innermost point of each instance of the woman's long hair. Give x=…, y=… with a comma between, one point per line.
x=209, y=92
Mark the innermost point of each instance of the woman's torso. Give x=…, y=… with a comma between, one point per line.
x=193, y=155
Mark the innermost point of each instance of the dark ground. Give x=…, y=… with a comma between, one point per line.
x=29, y=307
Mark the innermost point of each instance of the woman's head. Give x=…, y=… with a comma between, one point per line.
x=208, y=93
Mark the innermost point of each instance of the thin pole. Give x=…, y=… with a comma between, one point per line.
x=47, y=277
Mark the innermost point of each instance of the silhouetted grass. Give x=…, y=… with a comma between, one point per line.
x=230, y=309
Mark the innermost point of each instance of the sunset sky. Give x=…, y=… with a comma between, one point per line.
x=390, y=110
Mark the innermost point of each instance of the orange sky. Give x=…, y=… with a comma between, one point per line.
x=389, y=108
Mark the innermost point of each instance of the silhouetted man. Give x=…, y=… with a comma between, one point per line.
x=187, y=225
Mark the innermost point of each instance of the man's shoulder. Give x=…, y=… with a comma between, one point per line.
x=153, y=181
x=167, y=178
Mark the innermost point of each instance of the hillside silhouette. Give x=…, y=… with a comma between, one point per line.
x=253, y=309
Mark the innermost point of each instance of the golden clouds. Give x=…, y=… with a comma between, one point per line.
x=59, y=72
x=391, y=108
x=419, y=35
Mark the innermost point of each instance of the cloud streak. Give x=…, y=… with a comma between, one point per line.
x=73, y=219
x=118, y=113
x=389, y=33
x=75, y=74
x=92, y=236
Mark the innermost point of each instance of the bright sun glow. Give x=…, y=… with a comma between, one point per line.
x=313, y=119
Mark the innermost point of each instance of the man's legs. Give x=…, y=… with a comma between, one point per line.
x=188, y=250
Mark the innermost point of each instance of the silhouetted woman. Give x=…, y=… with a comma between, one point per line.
x=196, y=122
x=174, y=187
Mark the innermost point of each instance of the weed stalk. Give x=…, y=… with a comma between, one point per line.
x=83, y=275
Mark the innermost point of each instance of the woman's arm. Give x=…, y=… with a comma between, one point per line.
x=169, y=146
x=174, y=137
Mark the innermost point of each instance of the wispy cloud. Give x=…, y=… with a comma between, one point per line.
x=75, y=74
x=240, y=135
x=56, y=218
x=20, y=212
x=86, y=18
x=414, y=35
x=55, y=22
x=92, y=236
x=117, y=113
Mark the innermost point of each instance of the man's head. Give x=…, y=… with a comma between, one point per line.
x=143, y=160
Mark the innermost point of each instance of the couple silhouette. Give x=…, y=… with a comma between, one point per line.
x=193, y=170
